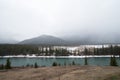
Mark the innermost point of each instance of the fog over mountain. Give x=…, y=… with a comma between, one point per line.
x=8, y=41
x=45, y=40
x=79, y=21
x=92, y=40
x=51, y=40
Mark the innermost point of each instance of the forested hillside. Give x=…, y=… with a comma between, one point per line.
x=14, y=49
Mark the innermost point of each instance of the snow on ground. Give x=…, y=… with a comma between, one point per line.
x=71, y=56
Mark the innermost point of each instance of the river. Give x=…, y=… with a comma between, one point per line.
x=23, y=61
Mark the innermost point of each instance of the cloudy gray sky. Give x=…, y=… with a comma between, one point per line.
x=23, y=19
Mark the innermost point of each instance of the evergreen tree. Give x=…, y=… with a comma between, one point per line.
x=50, y=51
x=8, y=64
x=42, y=50
x=27, y=65
x=111, y=50
x=46, y=51
x=86, y=52
x=54, y=64
x=35, y=65
x=103, y=50
x=113, y=61
x=94, y=51
x=73, y=63
x=86, y=63
x=97, y=51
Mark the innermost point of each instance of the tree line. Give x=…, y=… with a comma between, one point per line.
x=32, y=49
x=112, y=50
x=14, y=49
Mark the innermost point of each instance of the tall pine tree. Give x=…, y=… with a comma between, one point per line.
x=8, y=64
x=35, y=65
x=86, y=52
x=113, y=61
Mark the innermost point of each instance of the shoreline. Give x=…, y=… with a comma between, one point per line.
x=34, y=56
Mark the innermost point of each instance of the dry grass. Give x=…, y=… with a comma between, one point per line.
x=63, y=73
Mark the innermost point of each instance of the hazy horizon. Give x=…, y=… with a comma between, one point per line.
x=25, y=19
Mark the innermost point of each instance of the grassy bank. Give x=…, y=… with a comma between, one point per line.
x=62, y=73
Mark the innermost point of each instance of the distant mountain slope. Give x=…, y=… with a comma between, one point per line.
x=89, y=40
x=45, y=40
x=8, y=41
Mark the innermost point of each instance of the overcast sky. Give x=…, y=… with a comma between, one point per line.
x=23, y=19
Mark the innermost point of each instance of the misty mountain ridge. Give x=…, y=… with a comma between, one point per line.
x=73, y=40
x=67, y=40
x=45, y=40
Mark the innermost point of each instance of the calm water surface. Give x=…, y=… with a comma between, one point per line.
x=101, y=61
